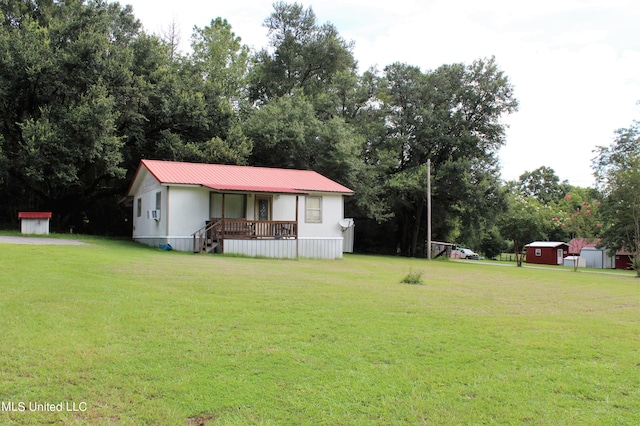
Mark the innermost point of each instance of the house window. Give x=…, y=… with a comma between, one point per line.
x=538, y=252
x=158, y=200
x=313, y=210
x=235, y=206
x=139, y=208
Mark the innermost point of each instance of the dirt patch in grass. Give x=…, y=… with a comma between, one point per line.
x=201, y=419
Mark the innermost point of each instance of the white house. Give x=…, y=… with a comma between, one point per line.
x=256, y=211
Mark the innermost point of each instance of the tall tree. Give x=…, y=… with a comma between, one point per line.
x=189, y=106
x=452, y=117
x=525, y=220
x=577, y=216
x=285, y=133
x=222, y=60
x=84, y=94
x=544, y=184
x=617, y=169
x=303, y=88
x=65, y=68
x=303, y=55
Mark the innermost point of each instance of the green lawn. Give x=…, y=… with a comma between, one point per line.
x=135, y=335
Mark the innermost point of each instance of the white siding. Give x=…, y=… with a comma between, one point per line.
x=183, y=211
x=332, y=213
x=34, y=226
x=597, y=258
x=143, y=225
x=284, y=207
x=189, y=210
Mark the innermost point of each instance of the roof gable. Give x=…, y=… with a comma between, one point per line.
x=222, y=177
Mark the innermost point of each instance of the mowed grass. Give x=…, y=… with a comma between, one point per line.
x=143, y=336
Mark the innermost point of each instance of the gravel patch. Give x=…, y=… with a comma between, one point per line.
x=41, y=241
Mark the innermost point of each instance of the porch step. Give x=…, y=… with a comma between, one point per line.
x=211, y=247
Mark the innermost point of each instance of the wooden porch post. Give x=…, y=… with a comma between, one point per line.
x=297, y=244
x=223, y=226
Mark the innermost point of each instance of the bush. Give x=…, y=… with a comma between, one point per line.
x=413, y=278
x=492, y=244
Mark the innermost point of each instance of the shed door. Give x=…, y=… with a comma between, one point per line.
x=560, y=256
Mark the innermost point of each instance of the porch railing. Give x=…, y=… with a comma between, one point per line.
x=244, y=229
x=203, y=237
x=216, y=230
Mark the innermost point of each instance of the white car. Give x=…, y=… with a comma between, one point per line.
x=468, y=254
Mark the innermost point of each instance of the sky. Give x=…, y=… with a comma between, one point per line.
x=574, y=64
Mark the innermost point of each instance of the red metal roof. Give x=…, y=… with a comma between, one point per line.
x=241, y=178
x=577, y=244
x=34, y=215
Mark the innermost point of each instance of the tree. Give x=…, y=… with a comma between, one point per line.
x=222, y=60
x=617, y=169
x=452, y=117
x=544, y=184
x=286, y=133
x=525, y=220
x=577, y=215
x=172, y=38
x=492, y=243
x=66, y=67
x=303, y=89
x=303, y=55
x=189, y=107
x=85, y=94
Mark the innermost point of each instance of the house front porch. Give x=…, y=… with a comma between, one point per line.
x=263, y=238
x=216, y=231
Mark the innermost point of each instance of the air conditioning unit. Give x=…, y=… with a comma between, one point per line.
x=154, y=214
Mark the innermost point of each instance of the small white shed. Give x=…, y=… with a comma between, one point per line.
x=34, y=222
x=571, y=261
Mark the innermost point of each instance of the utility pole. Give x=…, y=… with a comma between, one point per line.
x=429, y=209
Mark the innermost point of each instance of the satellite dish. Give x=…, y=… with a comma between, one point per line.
x=346, y=223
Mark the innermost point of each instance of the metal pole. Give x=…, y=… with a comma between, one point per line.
x=429, y=209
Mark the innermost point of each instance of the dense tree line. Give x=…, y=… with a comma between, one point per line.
x=85, y=94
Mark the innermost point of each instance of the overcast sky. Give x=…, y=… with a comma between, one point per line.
x=575, y=64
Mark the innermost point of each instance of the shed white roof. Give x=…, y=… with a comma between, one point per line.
x=546, y=244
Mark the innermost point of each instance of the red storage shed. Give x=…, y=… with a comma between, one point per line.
x=546, y=252
x=624, y=260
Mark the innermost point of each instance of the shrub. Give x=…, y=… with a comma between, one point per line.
x=413, y=278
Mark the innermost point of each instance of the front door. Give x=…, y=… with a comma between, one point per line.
x=560, y=256
x=263, y=207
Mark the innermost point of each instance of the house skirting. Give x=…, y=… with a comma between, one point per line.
x=315, y=248
x=178, y=243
